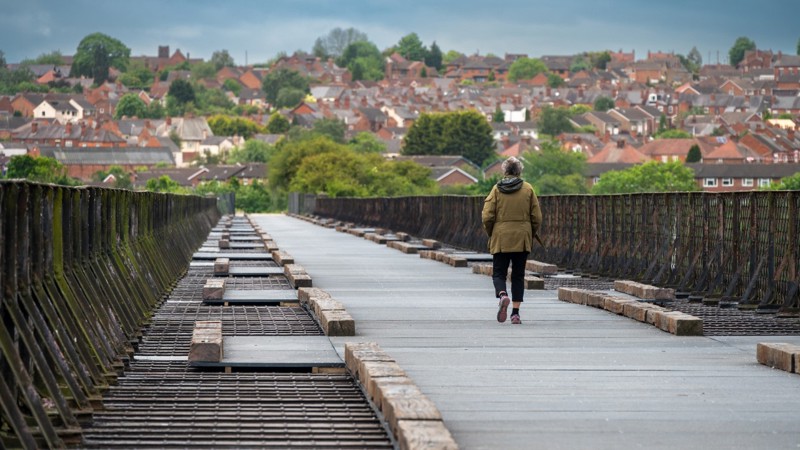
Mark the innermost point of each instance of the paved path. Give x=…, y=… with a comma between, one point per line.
x=570, y=377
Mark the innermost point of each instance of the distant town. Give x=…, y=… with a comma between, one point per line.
x=167, y=113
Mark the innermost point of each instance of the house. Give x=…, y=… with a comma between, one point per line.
x=666, y=150
x=191, y=131
x=740, y=177
x=69, y=135
x=618, y=152
x=445, y=176
x=82, y=162
x=26, y=102
x=634, y=121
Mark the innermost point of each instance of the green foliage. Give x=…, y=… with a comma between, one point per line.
x=165, y=184
x=451, y=56
x=693, y=61
x=555, y=171
x=155, y=110
x=130, y=105
x=525, y=69
x=137, y=76
x=54, y=58
x=498, y=116
x=233, y=86
x=673, y=134
x=123, y=179
x=694, y=154
x=221, y=58
x=96, y=53
x=483, y=186
x=554, y=80
x=254, y=198
x=336, y=41
x=40, y=169
x=283, y=79
x=465, y=133
x=182, y=91
x=434, y=57
x=662, y=124
x=3, y=62
x=289, y=98
x=285, y=163
x=212, y=101
x=332, y=128
x=363, y=60
x=790, y=183
x=223, y=125
x=786, y=115
x=648, y=177
x=20, y=80
x=175, y=138
x=349, y=174
x=411, y=48
x=579, y=63
x=555, y=120
x=278, y=124
x=603, y=104
x=366, y=142
x=204, y=71
x=740, y=46
x=252, y=151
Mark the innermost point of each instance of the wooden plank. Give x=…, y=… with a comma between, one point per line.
x=254, y=271
x=277, y=352
x=233, y=256
x=255, y=296
x=206, y=345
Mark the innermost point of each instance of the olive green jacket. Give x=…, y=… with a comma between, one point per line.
x=511, y=219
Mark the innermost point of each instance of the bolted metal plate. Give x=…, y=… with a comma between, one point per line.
x=233, y=256
x=254, y=271
x=276, y=351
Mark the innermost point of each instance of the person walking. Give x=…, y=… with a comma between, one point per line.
x=511, y=217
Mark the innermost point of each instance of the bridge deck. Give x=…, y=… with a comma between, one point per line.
x=568, y=377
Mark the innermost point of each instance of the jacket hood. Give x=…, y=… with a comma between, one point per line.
x=509, y=185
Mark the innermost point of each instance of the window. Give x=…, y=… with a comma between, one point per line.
x=747, y=182
x=764, y=182
x=727, y=182
x=675, y=158
x=709, y=182
x=595, y=180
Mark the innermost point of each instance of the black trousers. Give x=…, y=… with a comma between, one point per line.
x=500, y=262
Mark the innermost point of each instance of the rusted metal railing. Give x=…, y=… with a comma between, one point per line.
x=740, y=247
x=81, y=270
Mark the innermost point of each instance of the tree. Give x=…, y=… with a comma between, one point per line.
x=122, y=179
x=648, y=177
x=332, y=128
x=224, y=125
x=289, y=98
x=555, y=171
x=40, y=169
x=204, y=71
x=554, y=80
x=498, y=116
x=662, y=123
x=96, y=53
x=233, y=86
x=451, y=56
x=410, y=47
x=280, y=79
x=366, y=142
x=554, y=121
x=3, y=63
x=465, y=133
x=252, y=151
x=54, y=58
x=525, y=69
x=165, y=184
x=182, y=91
x=363, y=60
x=286, y=161
x=221, y=58
x=740, y=46
x=603, y=104
x=130, y=105
x=694, y=154
x=137, y=76
x=253, y=198
x=336, y=41
x=695, y=59
x=434, y=57
x=673, y=134
x=278, y=124
x=798, y=46
x=790, y=183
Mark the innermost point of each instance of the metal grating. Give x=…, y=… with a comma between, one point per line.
x=735, y=322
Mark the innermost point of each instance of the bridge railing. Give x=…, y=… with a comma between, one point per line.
x=81, y=270
x=737, y=247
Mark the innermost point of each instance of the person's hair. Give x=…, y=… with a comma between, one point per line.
x=512, y=166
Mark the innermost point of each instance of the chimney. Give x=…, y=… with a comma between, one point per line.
x=34, y=127
x=790, y=133
x=347, y=102
x=169, y=120
x=621, y=143
x=147, y=124
x=713, y=97
x=68, y=129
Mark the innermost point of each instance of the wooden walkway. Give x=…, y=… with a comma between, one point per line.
x=569, y=377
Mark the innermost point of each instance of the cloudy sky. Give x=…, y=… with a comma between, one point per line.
x=257, y=30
